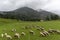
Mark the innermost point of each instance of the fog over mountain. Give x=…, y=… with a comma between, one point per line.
x=49, y=5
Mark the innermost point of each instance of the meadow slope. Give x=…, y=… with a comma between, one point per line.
x=9, y=24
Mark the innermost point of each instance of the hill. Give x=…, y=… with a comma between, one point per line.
x=26, y=13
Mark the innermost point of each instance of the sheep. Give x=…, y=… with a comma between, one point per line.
x=31, y=32
x=41, y=28
x=23, y=33
x=42, y=34
x=54, y=31
x=5, y=34
x=2, y=35
x=51, y=30
x=58, y=31
x=8, y=37
x=13, y=30
x=17, y=35
x=45, y=32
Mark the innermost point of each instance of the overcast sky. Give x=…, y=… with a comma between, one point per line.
x=49, y=5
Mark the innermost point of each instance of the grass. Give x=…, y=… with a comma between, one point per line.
x=9, y=24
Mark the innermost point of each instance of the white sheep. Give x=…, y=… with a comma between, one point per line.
x=45, y=32
x=8, y=37
x=32, y=32
x=58, y=31
x=2, y=35
x=52, y=30
x=23, y=33
x=42, y=34
x=13, y=30
x=41, y=28
x=17, y=35
x=5, y=34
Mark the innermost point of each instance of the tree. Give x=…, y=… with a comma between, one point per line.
x=56, y=17
x=47, y=18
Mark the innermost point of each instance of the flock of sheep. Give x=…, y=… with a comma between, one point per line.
x=42, y=31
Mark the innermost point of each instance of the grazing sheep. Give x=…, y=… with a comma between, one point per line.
x=17, y=35
x=28, y=27
x=5, y=34
x=13, y=30
x=8, y=37
x=45, y=32
x=51, y=30
x=23, y=33
x=31, y=32
x=41, y=28
x=58, y=31
x=2, y=35
x=42, y=34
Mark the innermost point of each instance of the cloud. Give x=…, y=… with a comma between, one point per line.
x=6, y=5
x=37, y=4
x=49, y=5
x=13, y=4
x=53, y=6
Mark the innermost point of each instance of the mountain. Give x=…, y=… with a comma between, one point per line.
x=44, y=14
x=26, y=13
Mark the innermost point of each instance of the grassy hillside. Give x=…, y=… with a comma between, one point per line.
x=8, y=24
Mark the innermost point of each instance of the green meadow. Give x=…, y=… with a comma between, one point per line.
x=6, y=25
